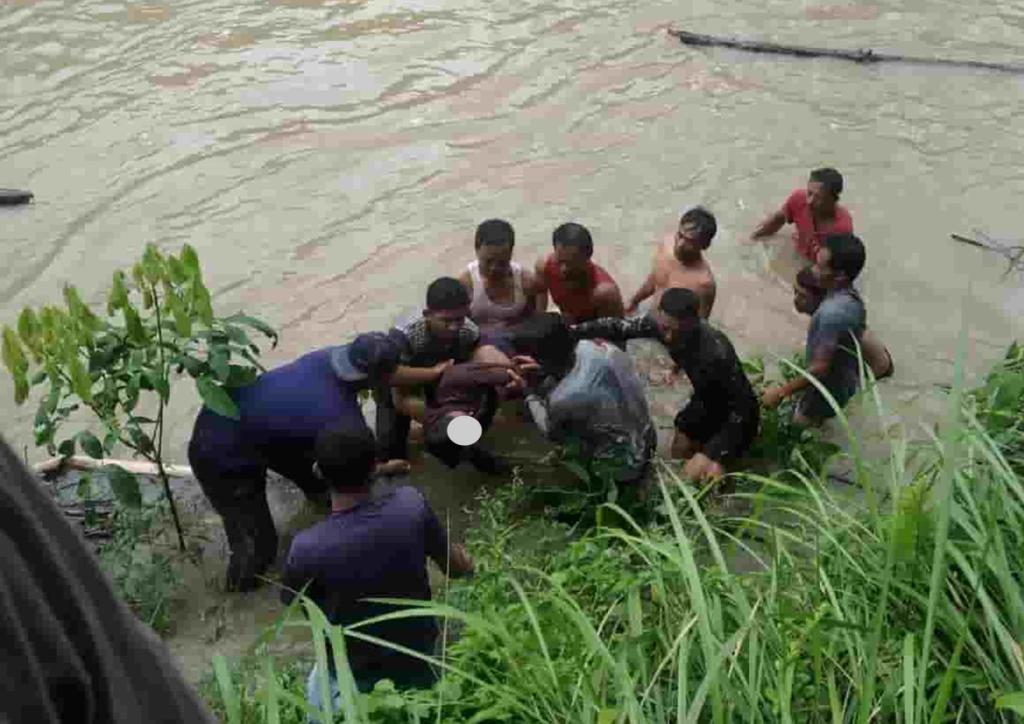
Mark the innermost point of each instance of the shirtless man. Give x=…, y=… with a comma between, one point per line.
x=679, y=262
x=581, y=289
x=815, y=211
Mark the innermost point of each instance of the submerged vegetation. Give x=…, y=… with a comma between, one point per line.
x=899, y=599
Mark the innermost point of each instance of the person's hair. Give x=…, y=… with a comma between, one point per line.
x=494, y=232
x=573, y=234
x=847, y=254
x=680, y=303
x=830, y=179
x=345, y=457
x=703, y=222
x=546, y=338
x=445, y=294
x=805, y=278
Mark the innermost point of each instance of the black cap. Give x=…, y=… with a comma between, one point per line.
x=372, y=353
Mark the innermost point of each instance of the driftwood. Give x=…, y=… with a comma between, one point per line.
x=83, y=462
x=1013, y=253
x=856, y=56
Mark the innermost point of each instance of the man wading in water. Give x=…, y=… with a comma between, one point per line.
x=679, y=262
x=815, y=211
x=501, y=292
x=581, y=289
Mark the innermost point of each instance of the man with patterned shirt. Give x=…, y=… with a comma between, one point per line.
x=440, y=337
x=721, y=419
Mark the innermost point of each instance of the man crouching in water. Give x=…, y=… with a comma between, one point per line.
x=721, y=419
x=587, y=393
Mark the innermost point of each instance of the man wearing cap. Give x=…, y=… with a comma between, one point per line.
x=280, y=415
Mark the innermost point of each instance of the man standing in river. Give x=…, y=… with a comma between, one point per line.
x=679, y=262
x=814, y=211
x=581, y=289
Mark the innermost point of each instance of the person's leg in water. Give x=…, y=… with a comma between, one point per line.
x=392, y=430
x=233, y=478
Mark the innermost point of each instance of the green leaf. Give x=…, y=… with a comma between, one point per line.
x=1014, y=702
x=67, y=448
x=152, y=264
x=241, y=376
x=30, y=331
x=219, y=363
x=124, y=485
x=176, y=270
x=39, y=378
x=136, y=332
x=257, y=324
x=81, y=382
x=118, y=296
x=158, y=383
x=20, y=389
x=201, y=303
x=90, y=444
x=13, y=354
x=216, y=398
x=84, y=488
x=190, y=260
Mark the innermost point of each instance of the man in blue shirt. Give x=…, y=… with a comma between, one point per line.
x=833, y=337
x=373, y=545
x=280, y=415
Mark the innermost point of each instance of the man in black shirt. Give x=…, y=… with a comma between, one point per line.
x=721, y=419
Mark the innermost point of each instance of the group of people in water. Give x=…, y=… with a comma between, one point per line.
x=487, y=336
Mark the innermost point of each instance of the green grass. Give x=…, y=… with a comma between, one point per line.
x=899, y=600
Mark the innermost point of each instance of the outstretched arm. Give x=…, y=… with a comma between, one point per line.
x=770, y=225
x=617, y=330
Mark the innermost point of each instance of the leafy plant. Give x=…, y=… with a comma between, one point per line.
x=159, y=322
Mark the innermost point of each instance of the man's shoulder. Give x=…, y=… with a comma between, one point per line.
x=840, y=306
x=844, y=220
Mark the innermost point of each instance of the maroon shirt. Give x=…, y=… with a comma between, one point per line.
x=463, y=389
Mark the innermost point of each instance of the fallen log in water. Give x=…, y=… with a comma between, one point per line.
x=856, y=56
x=83, y=462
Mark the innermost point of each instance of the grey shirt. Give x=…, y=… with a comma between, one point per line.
x=839, y=320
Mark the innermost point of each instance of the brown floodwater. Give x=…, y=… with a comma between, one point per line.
x=329, y=158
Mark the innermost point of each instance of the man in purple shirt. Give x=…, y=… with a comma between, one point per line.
x=374, y=544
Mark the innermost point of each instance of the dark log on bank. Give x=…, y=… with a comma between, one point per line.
x=856, y=56
x=13, y=197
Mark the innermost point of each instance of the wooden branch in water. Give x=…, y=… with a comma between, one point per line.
x=864, y=55
x=83, y=462
x=1013, y=253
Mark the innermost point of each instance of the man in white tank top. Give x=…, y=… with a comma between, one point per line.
x=500, y=290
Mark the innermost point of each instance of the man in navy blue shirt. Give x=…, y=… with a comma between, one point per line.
x=280, y=415
x=373, y=545
x=833, y=337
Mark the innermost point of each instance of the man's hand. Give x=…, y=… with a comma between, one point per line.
x=631, y=309
x=439, y=369
x=525, y=364
x=701, y=467
x=459, y=564
x=771, y=397
x=515, y=382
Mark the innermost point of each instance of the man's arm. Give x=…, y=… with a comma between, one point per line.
x=616, y=329
x=646, y=290
x=608, y=300
x=451, y=558
x=821, y=362
x=530, y=291
x=538, y=408
x=707, y=298
x=770, y=225
x=406, y=376
x=540, y=287
x=467, y=281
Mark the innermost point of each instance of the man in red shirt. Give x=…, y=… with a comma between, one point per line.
x=581, y=289
x=815, y=211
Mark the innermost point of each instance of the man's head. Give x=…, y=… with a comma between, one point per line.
x=823, y=189
x=371, y=356
x=345, y=458
x=447, y=307
x=839, y=261
x=697, y=227
x=807, y=294
x=573, y=249
x=546, y=338
x=678, y=315
x=494, y=241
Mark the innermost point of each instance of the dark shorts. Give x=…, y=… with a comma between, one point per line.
x=704, y=421
x=500, y=338
x=813, y=405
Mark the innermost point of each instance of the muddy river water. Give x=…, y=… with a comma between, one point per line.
x=328, y=158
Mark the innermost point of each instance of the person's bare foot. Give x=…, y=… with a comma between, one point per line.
x=393, y=467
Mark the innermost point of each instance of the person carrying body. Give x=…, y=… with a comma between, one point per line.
x=374, y=544
x=468, y=389
x=430, y=343
x=721, y=419
x=588, y=393
x=501, y=292
x=814, y=211
x=280, y=415
x=833, y=336
x=808, y=296
x=679, y=262
x=581, y=289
